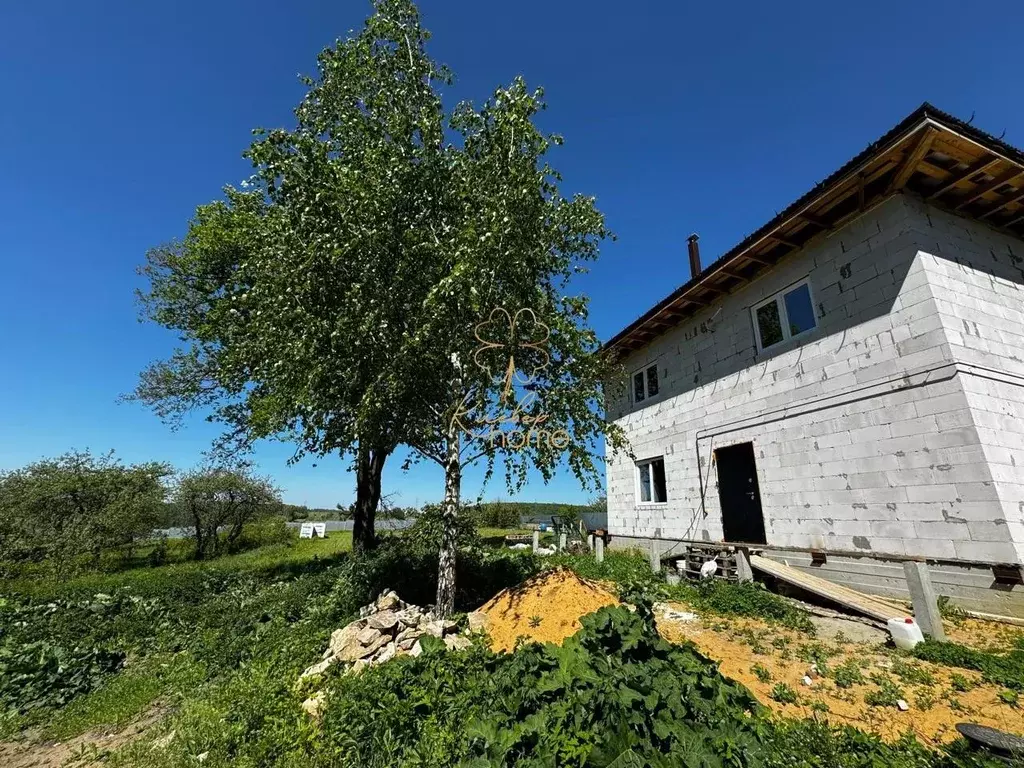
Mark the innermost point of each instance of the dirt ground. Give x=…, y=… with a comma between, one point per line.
x=83, y=751
x=761, y=656
x=546, y=608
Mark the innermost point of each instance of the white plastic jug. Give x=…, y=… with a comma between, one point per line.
x=905, y=633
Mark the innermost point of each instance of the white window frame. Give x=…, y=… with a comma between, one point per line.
x=780, y=300
x=645, y=465
x=647, y=395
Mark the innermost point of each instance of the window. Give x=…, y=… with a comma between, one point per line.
x=786, y=315
x=645, y=383
x=652, y=481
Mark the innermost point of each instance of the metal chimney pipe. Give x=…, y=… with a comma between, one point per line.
x=694, y=249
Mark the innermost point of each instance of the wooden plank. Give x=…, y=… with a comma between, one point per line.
x=972, y=170
x=1014, y=198
x=849, y=598
x=911, y=161
x=984, y=189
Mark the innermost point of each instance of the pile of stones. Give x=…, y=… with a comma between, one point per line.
x=386, y=628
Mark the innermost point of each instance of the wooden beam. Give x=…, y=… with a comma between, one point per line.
x=984, y=189
x=731, y=273
x=784, y=241
x=860, y=192
x=758, y=259
x=810, y=218
x=709, y=287
x=972, y=170
x=1010, y=223
x=910, y=162
x=1016, y=197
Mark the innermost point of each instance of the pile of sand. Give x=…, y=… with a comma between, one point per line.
x=546, y=608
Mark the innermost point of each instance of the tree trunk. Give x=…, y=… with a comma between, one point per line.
x=200, y=538
x=449, y=514
x=369, y=468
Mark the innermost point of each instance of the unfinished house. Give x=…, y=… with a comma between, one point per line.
x=843, y=389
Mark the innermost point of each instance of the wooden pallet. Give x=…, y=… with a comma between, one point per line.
x=696, y=555
x=849, y=598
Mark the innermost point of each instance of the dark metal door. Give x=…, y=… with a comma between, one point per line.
x=738, y=492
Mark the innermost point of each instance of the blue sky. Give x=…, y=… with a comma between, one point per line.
x=118, y=118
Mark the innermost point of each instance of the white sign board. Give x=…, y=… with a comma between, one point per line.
x=306, y=531
x=320, y=529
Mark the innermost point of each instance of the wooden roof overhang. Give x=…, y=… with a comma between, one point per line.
x=942, y=159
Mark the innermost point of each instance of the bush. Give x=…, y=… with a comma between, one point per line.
x=265, y=532
x=495, y=515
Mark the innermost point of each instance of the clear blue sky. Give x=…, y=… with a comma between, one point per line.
x=118, y=118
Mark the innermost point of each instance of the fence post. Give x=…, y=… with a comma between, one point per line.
x=562, y=539
x=655, y=556
x=536, y=540
x=743, y=570
x=922, y=595
x=599, y=548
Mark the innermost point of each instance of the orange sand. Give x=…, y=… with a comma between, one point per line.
x=546, y=608
x=931, y=717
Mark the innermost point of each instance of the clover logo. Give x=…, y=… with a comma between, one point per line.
x=505, y=338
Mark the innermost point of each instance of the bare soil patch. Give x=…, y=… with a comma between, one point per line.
x=82, y=751
x=761, y=656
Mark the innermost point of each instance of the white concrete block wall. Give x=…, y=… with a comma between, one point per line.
x=863, y=432
x=977, y=279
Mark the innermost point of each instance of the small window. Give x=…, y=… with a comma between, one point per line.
x=652, y=481
x=786, y=315
x=645, y=383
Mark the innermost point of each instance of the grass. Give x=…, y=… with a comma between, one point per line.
x=125, y=697
x=1002, y=669
x=148, y=579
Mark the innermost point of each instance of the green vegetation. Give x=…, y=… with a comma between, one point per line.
x=1012, y=698
x=747, y=599
x=887, y=693
x=912, y=674
x=64, y=514
x=784, y=694
x=1006, y=669
x=847, y=674
x=960, y=683
x=223, y=642
x=762, y=673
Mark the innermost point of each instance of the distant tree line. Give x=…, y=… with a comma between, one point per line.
x=69, y=511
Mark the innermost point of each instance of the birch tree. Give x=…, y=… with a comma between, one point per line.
x=503, y=362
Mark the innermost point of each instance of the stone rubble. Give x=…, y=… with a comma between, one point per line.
x=386, y=628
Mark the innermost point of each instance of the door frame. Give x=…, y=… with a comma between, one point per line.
x=757, y=490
